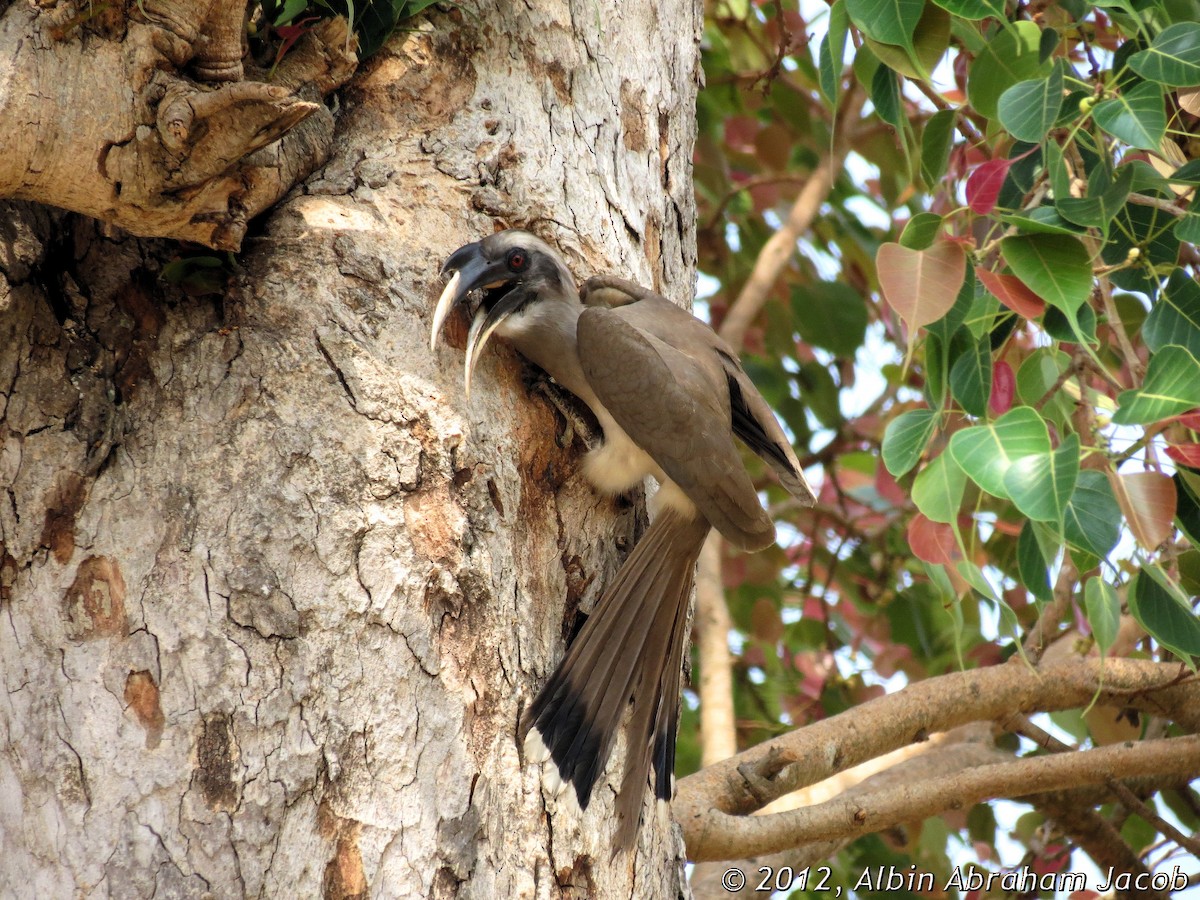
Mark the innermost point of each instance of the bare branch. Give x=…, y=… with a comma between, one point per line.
x=709, y=800
x=718, y=738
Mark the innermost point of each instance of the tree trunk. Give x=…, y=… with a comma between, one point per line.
x=272, y=594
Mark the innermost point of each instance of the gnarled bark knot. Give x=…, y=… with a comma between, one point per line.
x=141, y=115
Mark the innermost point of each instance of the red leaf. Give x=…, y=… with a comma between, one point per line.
x=921, y=285
x=983, y=187
x=1004, y=387
x=740, y=132
x=1148, y=500
x=1185, y=455
x=932, y=542
x=1190, y=420
x=887, y=487
x=1011, y=291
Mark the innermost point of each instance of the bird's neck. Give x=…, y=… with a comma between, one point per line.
x=544, y=333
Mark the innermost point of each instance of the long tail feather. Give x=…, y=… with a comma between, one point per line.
x=630, y=650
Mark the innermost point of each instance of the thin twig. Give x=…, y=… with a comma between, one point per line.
x=965, y=128
x=1132, y=802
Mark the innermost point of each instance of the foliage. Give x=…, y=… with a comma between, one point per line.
x=371, y=21
x=989, y=342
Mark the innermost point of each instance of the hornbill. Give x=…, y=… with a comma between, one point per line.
x=670, y=396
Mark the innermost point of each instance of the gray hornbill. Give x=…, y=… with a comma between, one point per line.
x=670, y=396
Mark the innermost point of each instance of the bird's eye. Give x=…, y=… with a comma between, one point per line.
x=517, y=260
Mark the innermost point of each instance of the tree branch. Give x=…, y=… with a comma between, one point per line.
x=709, y=801
x=737, y=836
x=718, y=737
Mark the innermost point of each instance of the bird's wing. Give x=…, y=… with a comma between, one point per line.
x=753, y=420
x=675, y=405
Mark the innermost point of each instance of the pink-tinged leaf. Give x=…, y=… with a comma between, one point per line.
x=740, y=132
x=1004, y=387
x=983, y=187
x=1190, y=420
x=1012, y=292
x=1148, y=501
x=921, y=285
x=933, y=542
x=291, y=34
x=1185, y=454
x=887, y=487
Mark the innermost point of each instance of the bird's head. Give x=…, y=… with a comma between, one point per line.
x=512, y=269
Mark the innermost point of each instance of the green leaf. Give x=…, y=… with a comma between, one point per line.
x=1056, y=267
x=986, y=451
x=1037, y=375
x=1103, y=611
x=886, y=21
x=974, y=9
x=1162, y=611
x=830, y=314
x=1100, y=207
x=936, y=141
x=1188, y=173
x=938, y=489
x=1057, y=171
x=1175, y=317
x=1011, y=56
x=833, y=52
x=885, y=95
x=1173, y=57
x=1136, y=116
x=905, y=438
x=931, y=37
x=1040, y=485
x=1188, y=228
x=1029, y=108
x=1032, y=566
x=1092, y=519
x=1151, y=231
x=921, y=231
x=1171, y=387
x=971, y=377
x=1187, y=509
x=1042, y=220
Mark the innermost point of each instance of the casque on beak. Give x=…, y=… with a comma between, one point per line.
x=474, y=271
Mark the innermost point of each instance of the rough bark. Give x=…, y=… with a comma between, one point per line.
x=272, y=595
x=140, y=114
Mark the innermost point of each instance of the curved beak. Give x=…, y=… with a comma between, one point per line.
x=472, y=271
x=485, y=322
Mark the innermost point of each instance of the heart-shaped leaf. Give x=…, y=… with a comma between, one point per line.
x=1056, y=267
x=1041, y=485
x=1148, y=500
x=921, y=285
x=1171, y=387
x=938, y=489
x=1092, y=519
x=1175, y=318
x=1029, y=108
x=987, y=451
x=1173, y=57
x=1103, y=611
x=905, y=438
x=1162, y=611
x=1136, y=116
